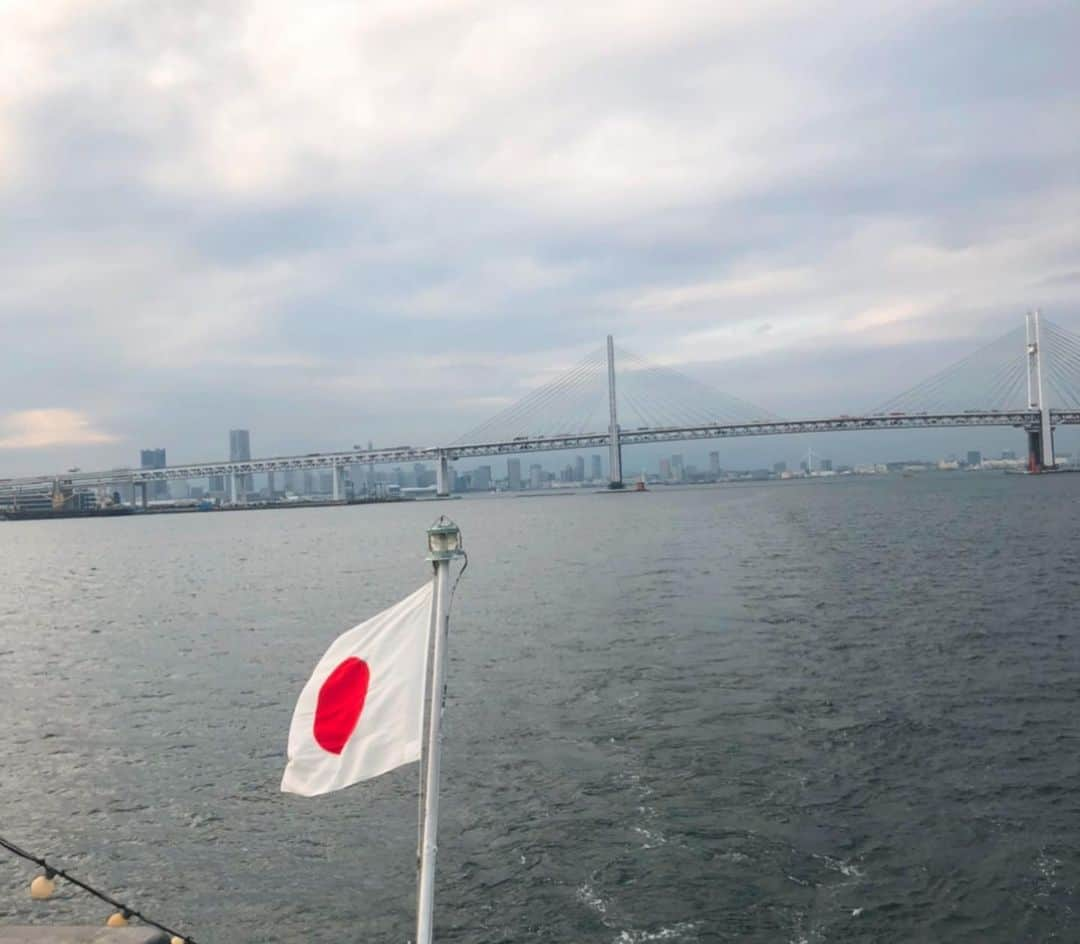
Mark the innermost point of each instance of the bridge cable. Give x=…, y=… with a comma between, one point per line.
x=542, y=397
x=579, y=404
x=732, y=408
x=1064, y=362
x=565, y=395
x=683, y=399
x=513, y=416
x=558, y=387
x=949, y=388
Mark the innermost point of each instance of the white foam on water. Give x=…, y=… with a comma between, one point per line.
x=683, y=931
x=839, y=865
x=652, y=839
x=587, y=896
x=1047, y=866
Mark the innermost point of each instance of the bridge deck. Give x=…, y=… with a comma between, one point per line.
x=1023, y=419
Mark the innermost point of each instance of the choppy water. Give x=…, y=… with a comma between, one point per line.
x=837, y=711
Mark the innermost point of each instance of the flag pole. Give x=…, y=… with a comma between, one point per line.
x=444, y=544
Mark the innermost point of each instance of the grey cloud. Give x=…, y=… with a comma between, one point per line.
x=918, y=158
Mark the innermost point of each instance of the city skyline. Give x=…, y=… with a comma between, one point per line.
x=687, y=466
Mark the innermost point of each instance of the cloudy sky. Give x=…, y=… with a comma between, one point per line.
x=338, y=221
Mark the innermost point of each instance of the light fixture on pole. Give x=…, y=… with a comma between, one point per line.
x=444, y=540
x=444, y=544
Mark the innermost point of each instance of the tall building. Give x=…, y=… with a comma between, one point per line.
x=579, y=469
x=714, y=464
x=513, y=474
x=481, y=479
x=536, y=476
x=358, y=475
x=826, y=465
x=240, y=451
x=974, y=457
x=239, y=445
x=152, y=458
x=597, y=468
x=779, y=468
x=665, y=470
x=678, y=472
x=155, y=459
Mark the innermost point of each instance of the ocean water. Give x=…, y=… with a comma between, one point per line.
x=836, y=711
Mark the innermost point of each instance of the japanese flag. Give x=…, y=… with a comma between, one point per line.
x=361, y=712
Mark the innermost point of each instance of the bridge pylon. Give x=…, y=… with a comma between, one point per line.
x=442, y=476
x=1040, y=436
x=615, y=479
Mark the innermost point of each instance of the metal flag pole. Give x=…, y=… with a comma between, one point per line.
x=444, y=544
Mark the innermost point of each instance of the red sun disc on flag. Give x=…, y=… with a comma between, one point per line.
x=341, y=701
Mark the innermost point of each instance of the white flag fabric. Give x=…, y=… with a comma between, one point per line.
x=361, y=712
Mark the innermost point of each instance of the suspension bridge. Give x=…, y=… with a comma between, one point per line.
x=1028, y=379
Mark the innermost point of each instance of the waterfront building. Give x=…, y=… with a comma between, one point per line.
x=44, y=501
x=714, y=464
x=597, y=468
x=779, y=468
x=513, y=474
x=579, y=469
x=536, y=476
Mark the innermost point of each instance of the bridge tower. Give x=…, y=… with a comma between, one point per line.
x=442, y=476
x=1041, y=437
x=615, y=479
